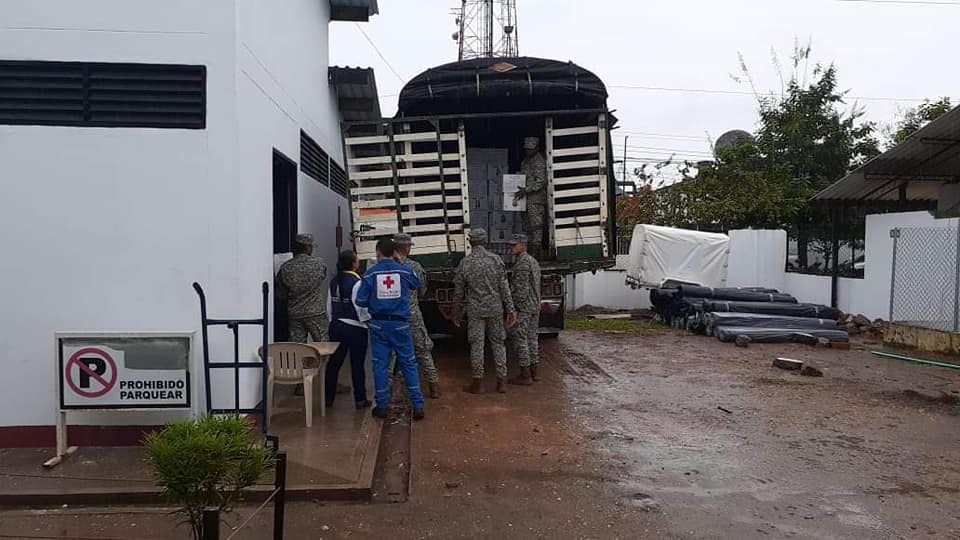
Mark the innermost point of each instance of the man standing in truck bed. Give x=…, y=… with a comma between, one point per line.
x=534, y=167
x=481, y=282
x=422, y=344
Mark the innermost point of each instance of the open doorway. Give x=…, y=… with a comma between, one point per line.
x=284, y=229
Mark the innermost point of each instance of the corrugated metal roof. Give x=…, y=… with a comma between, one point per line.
x=369, y=4
x=353, y=10
x=919, y=165
x=356, y=93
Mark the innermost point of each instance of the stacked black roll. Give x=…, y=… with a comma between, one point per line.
x=764, y=315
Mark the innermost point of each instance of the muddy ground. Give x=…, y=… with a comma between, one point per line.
x=647, y=435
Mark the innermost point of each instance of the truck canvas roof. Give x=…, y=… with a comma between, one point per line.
x=488, y=85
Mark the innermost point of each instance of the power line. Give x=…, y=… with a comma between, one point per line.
x=661, y=149
x=645, y=134
x=744, y=93
x=380, y=54
x=905, y=2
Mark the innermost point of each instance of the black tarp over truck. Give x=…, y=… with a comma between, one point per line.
x=435, y=170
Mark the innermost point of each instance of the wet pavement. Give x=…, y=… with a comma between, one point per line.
x=650, y=436
x=727, y=446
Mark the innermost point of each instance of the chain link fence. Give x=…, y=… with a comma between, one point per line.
x=925, y=282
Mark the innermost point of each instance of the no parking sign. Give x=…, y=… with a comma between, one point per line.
x=124, y=372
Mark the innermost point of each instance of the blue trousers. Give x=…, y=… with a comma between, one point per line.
x=394, y=336
x=353, y=341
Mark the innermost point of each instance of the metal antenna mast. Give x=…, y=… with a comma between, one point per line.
x=487, y=29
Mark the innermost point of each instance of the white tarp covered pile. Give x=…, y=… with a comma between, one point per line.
x=662, y=254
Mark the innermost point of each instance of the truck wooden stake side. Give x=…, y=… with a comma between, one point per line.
x=436, y=170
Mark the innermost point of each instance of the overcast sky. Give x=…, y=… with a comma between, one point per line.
x=896, y=51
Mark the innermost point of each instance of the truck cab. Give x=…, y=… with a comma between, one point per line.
x=437, y=169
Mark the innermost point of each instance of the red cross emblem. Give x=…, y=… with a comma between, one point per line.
x=389, y=282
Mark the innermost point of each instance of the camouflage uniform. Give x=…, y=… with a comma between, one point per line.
x=525, y=285
x=422, y=344
x=301, y=282
x=481, y=282
x=535, y=169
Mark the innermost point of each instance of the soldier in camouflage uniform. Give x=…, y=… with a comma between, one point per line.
x=534, y=167
x=481, y=283
x=300, y=282
x=525, y=286
x=422, y=344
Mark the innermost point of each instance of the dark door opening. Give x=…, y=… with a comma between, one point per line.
x=284, y=229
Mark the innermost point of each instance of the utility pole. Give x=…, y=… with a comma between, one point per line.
x=484, y=31
x=625, y=139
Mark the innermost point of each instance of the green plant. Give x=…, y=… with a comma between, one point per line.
x=578, y=322
x=206, y=463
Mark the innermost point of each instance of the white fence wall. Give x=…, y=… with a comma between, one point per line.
x=605, y=289
x=757, y=259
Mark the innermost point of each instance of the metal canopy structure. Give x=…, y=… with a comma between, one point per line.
x=353, y=10
x=356, y=93
x=912, y=173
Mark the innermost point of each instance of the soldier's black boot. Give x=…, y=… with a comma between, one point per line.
x=524, y=378
x=533, y=372
x=501, y=385
x=475, y=387
x=433, y=390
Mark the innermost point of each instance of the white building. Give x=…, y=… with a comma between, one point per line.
x=142, y=144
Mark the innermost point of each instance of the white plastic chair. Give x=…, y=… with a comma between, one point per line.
x=290, y=364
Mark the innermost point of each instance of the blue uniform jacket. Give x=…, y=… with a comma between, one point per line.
x=385, y=289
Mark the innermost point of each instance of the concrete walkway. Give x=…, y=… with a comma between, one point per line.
x=333, y=460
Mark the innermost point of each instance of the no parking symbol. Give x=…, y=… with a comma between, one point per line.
x=90, y=372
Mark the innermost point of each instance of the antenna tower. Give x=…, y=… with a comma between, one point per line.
x=487, y=29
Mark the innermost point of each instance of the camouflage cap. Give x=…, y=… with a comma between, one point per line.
x=478, y=236
x=304, y=239
x=518, y=239
x=403, y=239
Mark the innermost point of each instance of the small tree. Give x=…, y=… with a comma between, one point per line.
x=206, y=463
x=912, y=120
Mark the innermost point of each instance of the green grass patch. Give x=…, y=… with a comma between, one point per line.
x=577, y=322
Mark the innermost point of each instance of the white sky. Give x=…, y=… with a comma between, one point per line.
x=886, y=50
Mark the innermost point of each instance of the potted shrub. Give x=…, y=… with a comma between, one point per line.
x=207, y=463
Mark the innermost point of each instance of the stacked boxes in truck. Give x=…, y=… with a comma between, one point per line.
x=436, y=170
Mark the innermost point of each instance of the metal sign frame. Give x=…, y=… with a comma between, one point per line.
x=63, y=451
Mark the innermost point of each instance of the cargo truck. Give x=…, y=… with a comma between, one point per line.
x=437, y=169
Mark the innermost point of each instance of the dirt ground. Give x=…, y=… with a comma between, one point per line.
x=657, y=435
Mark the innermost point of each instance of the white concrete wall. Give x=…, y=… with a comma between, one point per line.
x=105, y=229
x=282, y=87
x=606, y=289
x=757, y=258
x=873, y=297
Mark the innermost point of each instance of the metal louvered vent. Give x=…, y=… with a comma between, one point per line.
x=338, y=179
x=102, y=94
x=314, y=162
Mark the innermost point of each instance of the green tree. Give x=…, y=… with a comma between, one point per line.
x=807, y=138
x=913, y=119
